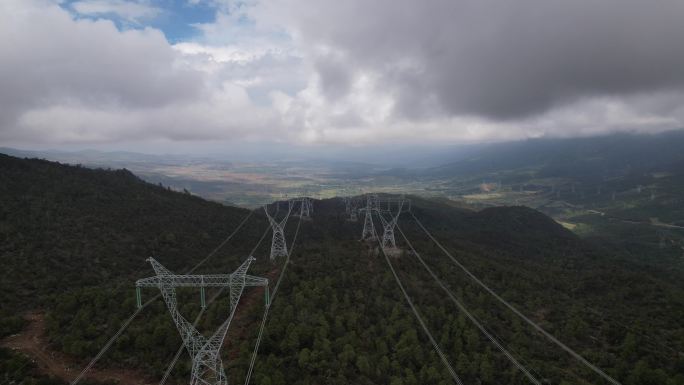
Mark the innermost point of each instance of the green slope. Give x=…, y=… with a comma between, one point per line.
x=338, y=317
x=66, y=229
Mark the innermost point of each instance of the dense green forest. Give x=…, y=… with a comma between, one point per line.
x=66, y=229
x=74, y=240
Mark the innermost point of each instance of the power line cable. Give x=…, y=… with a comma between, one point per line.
x=111, y=341
x=268, y=306
x=442, y=356
x=548, y=335
x=220, y=246
x=470, y=316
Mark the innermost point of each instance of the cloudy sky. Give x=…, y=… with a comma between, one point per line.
x=187, y=73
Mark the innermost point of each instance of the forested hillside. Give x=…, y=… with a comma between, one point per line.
x=65, y=228
x=76, y=239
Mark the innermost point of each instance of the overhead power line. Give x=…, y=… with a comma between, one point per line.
x=548, y=335
x=268, y=306
x=435, y=345
x=470, y=316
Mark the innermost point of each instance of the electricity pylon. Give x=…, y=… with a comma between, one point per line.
x=388, y=241
x=306, y=208
x=368, y=229
x=207, y=367
x=278, y=245
x=350, y=208
x=353, y=210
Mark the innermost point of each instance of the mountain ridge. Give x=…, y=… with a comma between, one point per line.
x=338, y=309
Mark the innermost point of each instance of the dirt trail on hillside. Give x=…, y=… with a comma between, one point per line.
x=33, y=342
x=240, y=326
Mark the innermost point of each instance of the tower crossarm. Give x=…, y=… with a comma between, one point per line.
x=251, y=280
x=177, y=280
x=242, y=269
x=148, y=282
x=207, y=368
x=385, y=204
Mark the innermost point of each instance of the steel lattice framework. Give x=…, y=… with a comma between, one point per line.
x=368, y=228
x=304, y=212
x=388, y=225
x=384, y=207
x=278, y=244
x=351, y=209
x=207, y=367
x=306, y=208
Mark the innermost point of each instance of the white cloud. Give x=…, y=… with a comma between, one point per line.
x=226, y=113
x=330, y=72
x=65, y=80
x=129, y=10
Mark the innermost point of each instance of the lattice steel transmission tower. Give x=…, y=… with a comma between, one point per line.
x=368, y=228
x=388, y=225
x=350, y=208
x=207, y=367
x=278, y=244
x=306, y=208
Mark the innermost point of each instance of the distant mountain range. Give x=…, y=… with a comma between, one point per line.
x=583, y=158
x=451, y=171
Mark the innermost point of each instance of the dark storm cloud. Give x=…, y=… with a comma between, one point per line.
x=499, y=59
x=334, y=75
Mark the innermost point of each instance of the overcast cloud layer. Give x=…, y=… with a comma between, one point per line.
x=350, y=71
